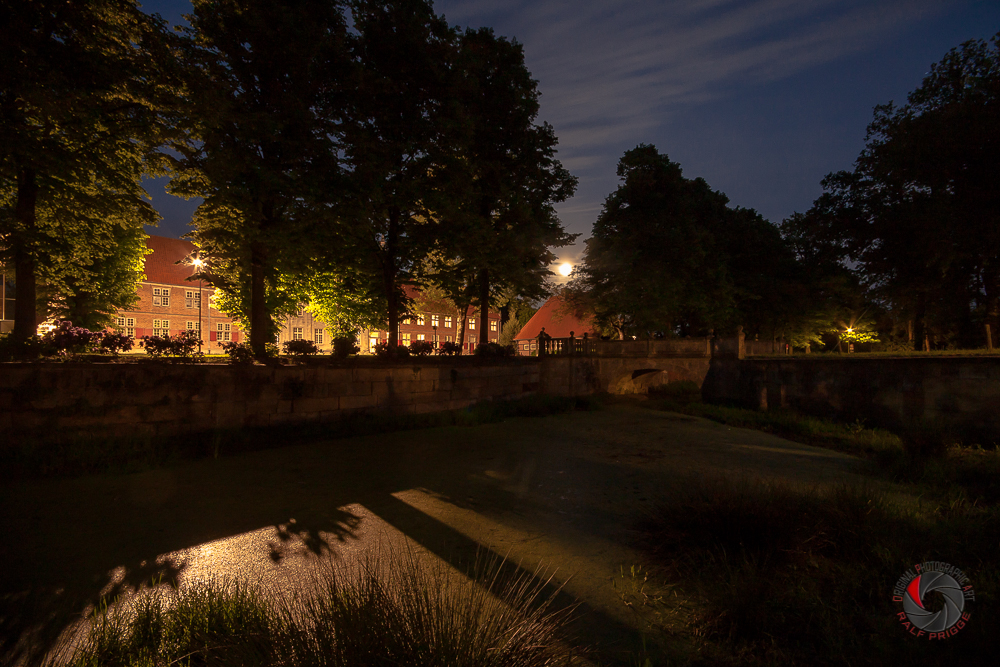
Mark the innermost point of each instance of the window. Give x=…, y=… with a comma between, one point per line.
x=435, y=320
x=319, y=336
x=223, y=331
x=372, y=342
x=299, y=312
x=493, y=325
x=192, y=299
x=447, y=321
x=407, y=321
x=125, y=325
x=193, y=326
x=472, y=323
x=447, y=339
x=161, y=327
x=296, y=333
x=420, y=337
x=161, y=297
x=406, y=339
x=420, y=320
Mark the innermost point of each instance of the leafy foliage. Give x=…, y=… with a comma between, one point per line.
x=345, y=346
x=919, y=216
x=421, y=348
x=494, y=350
x=300, y=348
x=449, y=348
x=83, y=94
x=115, y=342
x=68, y=339
x=182, y=345
x=240, y=354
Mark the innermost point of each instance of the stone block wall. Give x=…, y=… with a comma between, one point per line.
x=565, y=375
x=152, y=399
x=955, y=394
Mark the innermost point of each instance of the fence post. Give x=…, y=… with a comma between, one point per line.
x=572, y=343
x=586, y=344
x=989, y=339
x=541, y=342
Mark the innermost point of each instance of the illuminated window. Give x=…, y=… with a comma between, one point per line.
x=406, y=321
x=192, y=299
x=161, y=297
x=372, y=342
x=296, y=333
x=161, y=327
x=447, y=339
x=435, y=320
x=493, y=325
x=406, y=339
x=319, y=336
x=125, y=325
x=447, y=321
x=420, y=337
x=472, y=323
x=223, y=331
x=420, y=320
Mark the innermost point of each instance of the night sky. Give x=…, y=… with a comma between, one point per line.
x=761, y=98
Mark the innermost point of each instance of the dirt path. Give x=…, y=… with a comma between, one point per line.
x=560, y=490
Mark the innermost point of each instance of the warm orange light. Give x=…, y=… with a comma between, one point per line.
x=566, y=268
x=198, y=263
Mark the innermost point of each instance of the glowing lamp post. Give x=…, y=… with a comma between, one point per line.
x=198, y=263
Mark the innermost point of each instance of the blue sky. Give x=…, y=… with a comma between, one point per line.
x=762, y=98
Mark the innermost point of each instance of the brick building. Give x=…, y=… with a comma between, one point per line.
x=557, y=320
x=169, y=304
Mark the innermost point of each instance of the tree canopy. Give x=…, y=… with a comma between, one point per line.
x=85, y=90
x=918, y=218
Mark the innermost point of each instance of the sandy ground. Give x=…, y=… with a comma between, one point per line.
x=560, y=491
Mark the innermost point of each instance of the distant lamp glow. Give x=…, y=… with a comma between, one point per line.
x=566, y=268
x=198, y=263
x=849, y=329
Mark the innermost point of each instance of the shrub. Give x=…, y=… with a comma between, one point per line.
x=239, y=354
x=421, y=348
x=344, y=347
x=34, y=347
x=67, y=339
x=182, y=345
x=387, y=351
x=450, y=348
x=115, y=342
x=494, y=350
x=300, y=348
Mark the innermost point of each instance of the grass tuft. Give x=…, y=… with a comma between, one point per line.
x=392, y=611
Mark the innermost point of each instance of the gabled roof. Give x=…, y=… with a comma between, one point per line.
x=161, y=266
x=558, y=321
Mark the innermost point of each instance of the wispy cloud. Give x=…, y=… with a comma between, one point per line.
x=611, y=73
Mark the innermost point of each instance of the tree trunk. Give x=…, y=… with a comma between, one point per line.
x=258, y=304
x=25, y=292
x=389, y=276
x=484, y=306
x=460, y=323
x=919, y=328
x=991, y=284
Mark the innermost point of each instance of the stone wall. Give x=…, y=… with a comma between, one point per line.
x=154, y=399
x=954, y=394
x=567, y=375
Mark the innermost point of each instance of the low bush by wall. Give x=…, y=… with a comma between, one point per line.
x=957, y=395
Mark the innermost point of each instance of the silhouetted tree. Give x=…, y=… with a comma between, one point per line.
x=264, y=109
x=919, y=216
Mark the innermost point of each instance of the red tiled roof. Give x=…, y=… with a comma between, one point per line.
x=161, y=266
x=557, y=320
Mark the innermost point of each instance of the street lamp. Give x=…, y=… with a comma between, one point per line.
x=198, y=263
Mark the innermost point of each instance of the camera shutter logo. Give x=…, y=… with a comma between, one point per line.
x=915, y=588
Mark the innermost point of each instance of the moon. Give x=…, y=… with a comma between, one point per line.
x=565, y=268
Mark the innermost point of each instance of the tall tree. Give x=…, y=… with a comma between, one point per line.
x=83, y=87
x=919, y=216
x=394, y=140
x=264, y=108
x=652, y=263
x=511, y=178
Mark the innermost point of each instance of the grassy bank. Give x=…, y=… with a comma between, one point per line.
x=748, y=573
x=393, y=611
x=82, y=456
